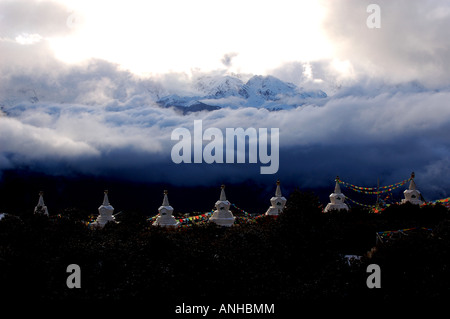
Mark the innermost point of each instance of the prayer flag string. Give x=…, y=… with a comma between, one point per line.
x=202, y=218
x=373, y=190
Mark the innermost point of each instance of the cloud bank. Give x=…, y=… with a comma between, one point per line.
x=385, y=134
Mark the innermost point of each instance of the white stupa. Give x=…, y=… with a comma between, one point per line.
x=412, y=195
x=40, y=207
x=222, y=216
x=105, y=213
x=165, y=217
x=278, y=202
x=336, y=199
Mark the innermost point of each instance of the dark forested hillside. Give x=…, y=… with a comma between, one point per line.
x=298, y=256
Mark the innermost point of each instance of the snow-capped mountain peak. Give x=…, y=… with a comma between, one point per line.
x=219, y=87
x=259, y=91
x=269, y=88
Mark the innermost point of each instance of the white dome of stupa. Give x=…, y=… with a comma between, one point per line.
x=40, y=207
x=105, y=212
x=412, y=195
x=165, y=217
x=277, y=202
x=222, y=216
x=336, y=199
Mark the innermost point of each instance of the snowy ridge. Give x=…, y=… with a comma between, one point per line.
x=215, y=92
x=202, y=93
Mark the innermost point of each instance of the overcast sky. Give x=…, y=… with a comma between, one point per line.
x=78, y=81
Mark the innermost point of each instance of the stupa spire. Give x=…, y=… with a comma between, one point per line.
x=412, y=184
x=166, y=199
x=223, y=197
x=105, y=198
x=41, y=199
x=337, y=187
x=278, y=190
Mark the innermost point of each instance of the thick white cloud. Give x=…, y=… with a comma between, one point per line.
x=46, y=18
x=412, y=43
x=28, y=143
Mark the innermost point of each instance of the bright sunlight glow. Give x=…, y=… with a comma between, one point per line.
x=150, y=37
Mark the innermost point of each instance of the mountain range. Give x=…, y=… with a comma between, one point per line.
x=215, y=92
x=207, y=92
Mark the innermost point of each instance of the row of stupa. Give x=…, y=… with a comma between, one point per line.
x=412, y=195
x=222, y=215
x=105, y=210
